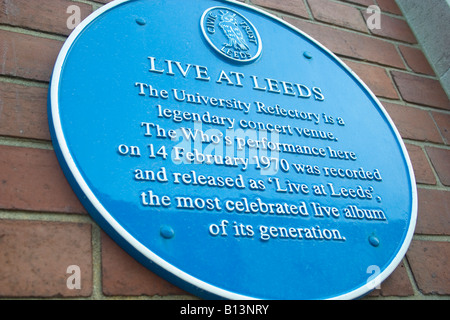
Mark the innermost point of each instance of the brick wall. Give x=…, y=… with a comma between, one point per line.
x=44, y=229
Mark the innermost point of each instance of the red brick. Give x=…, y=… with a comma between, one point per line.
x=416, y=60
x=393, y=28
x=429, y=262
x=24, y=112
x=122, y=275
x=294, y=7
x=443, y=123
x=32, y=180
x=434, y=212
x=440, y=158
x=365, y=3
x=376, y=79
x=50, y=15
x=422, y=169
x=420, y=90
x=397, y=285
x=34, y=257
x=413, y=123
x=26, y=56
x=389, y=6
x=339, y=14
x=350, y=44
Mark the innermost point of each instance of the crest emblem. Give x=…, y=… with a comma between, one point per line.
x=231, y=34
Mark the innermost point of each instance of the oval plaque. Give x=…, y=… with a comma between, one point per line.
x=231, y=153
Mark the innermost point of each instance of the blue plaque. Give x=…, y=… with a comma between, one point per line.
x=231, y=153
